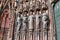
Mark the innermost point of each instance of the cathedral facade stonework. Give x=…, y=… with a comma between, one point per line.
x=27, y=20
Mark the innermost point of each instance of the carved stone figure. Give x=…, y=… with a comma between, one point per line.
x=45, y=20
x=24, y=22
x=24, y=25
x=37, y=20
x=17, y=25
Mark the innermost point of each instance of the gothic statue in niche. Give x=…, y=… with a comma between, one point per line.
x=31, y=16
x=17, y=25
x=24, y=24
x=18, y=21
x=31, y=19
x=25, y=18
x=38, y=16
x=45, y=20
x=37, y=20
x=31, y=22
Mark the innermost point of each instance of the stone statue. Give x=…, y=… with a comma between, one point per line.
x=17, y=26
x=45, y=21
